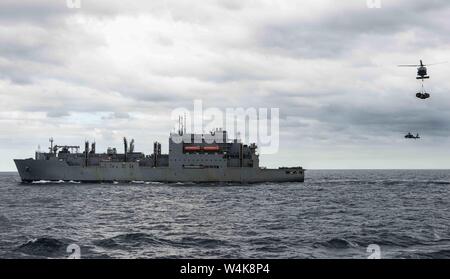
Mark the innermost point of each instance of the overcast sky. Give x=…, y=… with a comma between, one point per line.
x=116, y=68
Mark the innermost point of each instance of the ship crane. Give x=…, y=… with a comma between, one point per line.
x=54, y=148
x=67, y=147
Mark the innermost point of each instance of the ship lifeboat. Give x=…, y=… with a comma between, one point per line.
x=211, y=148
x=191, y=148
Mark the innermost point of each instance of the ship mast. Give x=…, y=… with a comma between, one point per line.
x=51, y=145
x=125, y=147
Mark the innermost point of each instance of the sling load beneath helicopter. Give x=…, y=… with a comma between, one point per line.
x=423, y=94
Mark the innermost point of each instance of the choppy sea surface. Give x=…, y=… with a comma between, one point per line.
x=334, y=214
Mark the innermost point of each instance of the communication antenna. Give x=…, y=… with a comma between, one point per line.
x=181, y=125
x=184, y=123
x=132, y=146
x=51, y=144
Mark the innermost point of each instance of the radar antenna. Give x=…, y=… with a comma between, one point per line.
x=51, y=144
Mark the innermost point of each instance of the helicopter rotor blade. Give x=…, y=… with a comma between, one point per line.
x=409, y=65
x=437, y=63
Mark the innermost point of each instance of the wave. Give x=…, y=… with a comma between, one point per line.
x=268, y=245
x=335, y=243
x=441, y=254
x=45, y=246
x=385, y=182
x=146, y=182
x=413, y=181
x=439, y=182
x=124, y=240
x=203, y=242
x=48, y=182
x=5, y=223
x=55, y=182
x=265, y=240
x=185, y=183
x=390, y=239
x=153, y=183
x=43, y=200
x=131, y=240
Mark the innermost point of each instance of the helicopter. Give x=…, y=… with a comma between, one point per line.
x=422, y=72
x=411, y=136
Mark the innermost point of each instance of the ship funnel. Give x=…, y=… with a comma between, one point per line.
x=125, y=147
x=86, y=153
x=86, y=147
x=132, y=146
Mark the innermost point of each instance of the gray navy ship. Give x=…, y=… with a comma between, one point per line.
x=209, y=157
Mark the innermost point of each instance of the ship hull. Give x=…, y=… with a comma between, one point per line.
x=55, y=170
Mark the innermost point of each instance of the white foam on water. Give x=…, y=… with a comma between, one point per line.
x=138, y=182
x=153, y=183
x=41, y=182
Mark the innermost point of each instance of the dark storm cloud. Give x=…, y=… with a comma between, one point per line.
x=329, y=66
x=29, y=43
x=54, y=12
x=370, y=113
x=33, y=11
x=338, y=33
x=373, y=119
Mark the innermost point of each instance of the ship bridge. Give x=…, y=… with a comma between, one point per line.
x=210, y=150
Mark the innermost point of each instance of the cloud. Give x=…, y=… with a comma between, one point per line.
x=55, y=114
x=115, y=68
x=342, y=30
x=117, y=115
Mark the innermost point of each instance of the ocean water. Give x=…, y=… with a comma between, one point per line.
x=334, y=214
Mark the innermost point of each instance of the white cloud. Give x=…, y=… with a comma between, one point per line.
x=115, y=68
